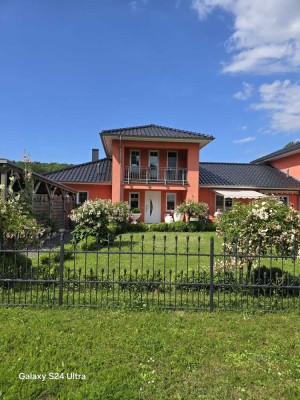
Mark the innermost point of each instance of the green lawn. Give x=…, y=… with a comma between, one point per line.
x=161, y=251
x=149, y=355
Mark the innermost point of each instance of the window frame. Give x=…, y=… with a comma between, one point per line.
x=278, y=197
x=175, y=198
x=77, y=196
x=136, y=151
x=224, y=208
x=139, y=198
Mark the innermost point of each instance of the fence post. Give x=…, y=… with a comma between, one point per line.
x=211, y=274
x=61, y=270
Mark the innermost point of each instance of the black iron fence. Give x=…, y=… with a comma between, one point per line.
x=171, y=272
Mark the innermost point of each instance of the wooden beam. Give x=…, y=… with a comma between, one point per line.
x=4, y=183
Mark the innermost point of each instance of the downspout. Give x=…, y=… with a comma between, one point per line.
x=120, y=156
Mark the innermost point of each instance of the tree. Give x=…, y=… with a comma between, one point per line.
x=258, y=227
x=289, y=144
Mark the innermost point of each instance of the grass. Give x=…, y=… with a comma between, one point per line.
x=149, y=355
x=139, y=252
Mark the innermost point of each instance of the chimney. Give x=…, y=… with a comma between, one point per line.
x=95, y=154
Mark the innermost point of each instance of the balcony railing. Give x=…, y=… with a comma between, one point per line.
x=152, y=175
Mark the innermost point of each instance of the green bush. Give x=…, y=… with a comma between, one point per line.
x=183, y=227
x=178, y=226
x=128, y=227
x=15, y=265
x=201, y=226
x=162, y=227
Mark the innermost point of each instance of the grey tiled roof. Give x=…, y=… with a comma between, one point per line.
x=211, y=174
x=94, y=171
x=278, y=153
x=155, y=131
x=245, y=175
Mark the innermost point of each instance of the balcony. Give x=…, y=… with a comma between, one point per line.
x=155, y=175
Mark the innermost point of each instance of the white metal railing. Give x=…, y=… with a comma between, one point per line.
x=150, y=174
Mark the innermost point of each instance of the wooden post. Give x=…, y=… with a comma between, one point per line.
x=4, y=183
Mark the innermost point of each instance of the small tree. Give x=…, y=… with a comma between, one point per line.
x=257, y=227
x=192, y=209
x=98, y=218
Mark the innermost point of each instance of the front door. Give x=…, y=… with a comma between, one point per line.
x=152, y=207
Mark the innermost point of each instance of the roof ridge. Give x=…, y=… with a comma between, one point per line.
x=226, y=162
x=76, y=166
x=156, y=126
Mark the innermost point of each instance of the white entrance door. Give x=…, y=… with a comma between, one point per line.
x=152, y=207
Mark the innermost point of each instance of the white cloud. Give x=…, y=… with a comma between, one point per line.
x=135, y=3
x=246, y=93
x=281, y=100
x=266, y=34
x=244, y=140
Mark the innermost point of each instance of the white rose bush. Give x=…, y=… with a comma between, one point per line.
x=98, y=218
x=16, y=222
x=257, y=228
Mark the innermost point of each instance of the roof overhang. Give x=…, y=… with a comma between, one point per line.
x=240, y=194
x=8, y=166
x=108, y=139
x=275, y=157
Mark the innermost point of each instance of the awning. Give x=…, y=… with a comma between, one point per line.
x=240, y=194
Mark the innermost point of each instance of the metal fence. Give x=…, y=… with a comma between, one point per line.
x=137, y=271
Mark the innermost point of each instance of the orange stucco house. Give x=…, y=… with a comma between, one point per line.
x=155, y=168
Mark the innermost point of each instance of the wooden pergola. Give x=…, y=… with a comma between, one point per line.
x=42, y=187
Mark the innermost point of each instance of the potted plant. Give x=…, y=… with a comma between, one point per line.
x=192, y=209
x=134, y=215
x=178, y=216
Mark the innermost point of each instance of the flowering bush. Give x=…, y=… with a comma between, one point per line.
x=192, y=208
x=257, y=227
x=98, y=218
x=16, y=223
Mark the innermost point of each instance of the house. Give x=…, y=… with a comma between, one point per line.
x=155, y=168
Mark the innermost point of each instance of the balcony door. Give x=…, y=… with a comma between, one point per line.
x=172, y=166
x=134, y=164
x=153, y=165
x=152, y=207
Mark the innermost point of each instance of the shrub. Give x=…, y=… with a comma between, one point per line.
x=201, y=226
x=183, y=227
x=17, y=225
x=193, y=209
x=258, y=227
x=162, y=227
x=178, y=226
x=99, y=218
x=15, y=265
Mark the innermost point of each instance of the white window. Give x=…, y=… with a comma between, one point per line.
x=223, y=203
x=134, y=200
x=82, y=197
x=171, y=201
x=283, y=199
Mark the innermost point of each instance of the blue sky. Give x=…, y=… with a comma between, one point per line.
x=69, y=69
